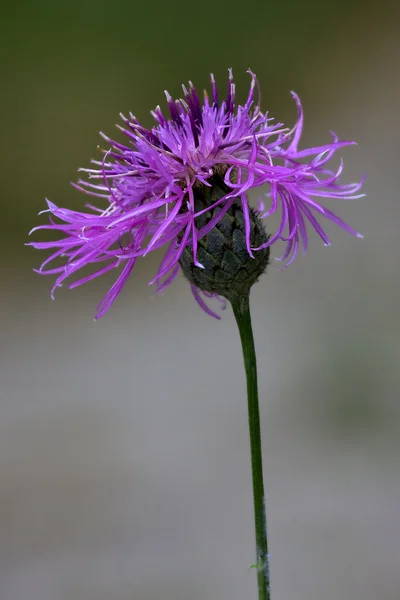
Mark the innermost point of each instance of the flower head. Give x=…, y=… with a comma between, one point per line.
x=153, y=189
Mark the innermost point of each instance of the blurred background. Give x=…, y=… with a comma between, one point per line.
x=124, y=458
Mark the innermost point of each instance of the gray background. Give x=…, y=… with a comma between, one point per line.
x=124, y=459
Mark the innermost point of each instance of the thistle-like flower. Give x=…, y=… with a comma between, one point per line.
x=184, y=185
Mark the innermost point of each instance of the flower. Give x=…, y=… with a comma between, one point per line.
x=149, y=189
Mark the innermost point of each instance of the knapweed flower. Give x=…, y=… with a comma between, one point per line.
x=183, y=185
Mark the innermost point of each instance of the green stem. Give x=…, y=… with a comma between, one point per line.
x=241, y=309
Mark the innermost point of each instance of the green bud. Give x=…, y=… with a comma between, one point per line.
x=228, y=269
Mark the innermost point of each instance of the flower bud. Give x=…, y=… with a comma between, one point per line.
x=228, y=269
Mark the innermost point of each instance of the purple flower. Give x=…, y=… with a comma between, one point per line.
x=147, y=188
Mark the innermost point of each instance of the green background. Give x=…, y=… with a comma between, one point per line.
x=68, y=69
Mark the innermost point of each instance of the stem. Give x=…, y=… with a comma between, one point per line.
x=241, y=310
